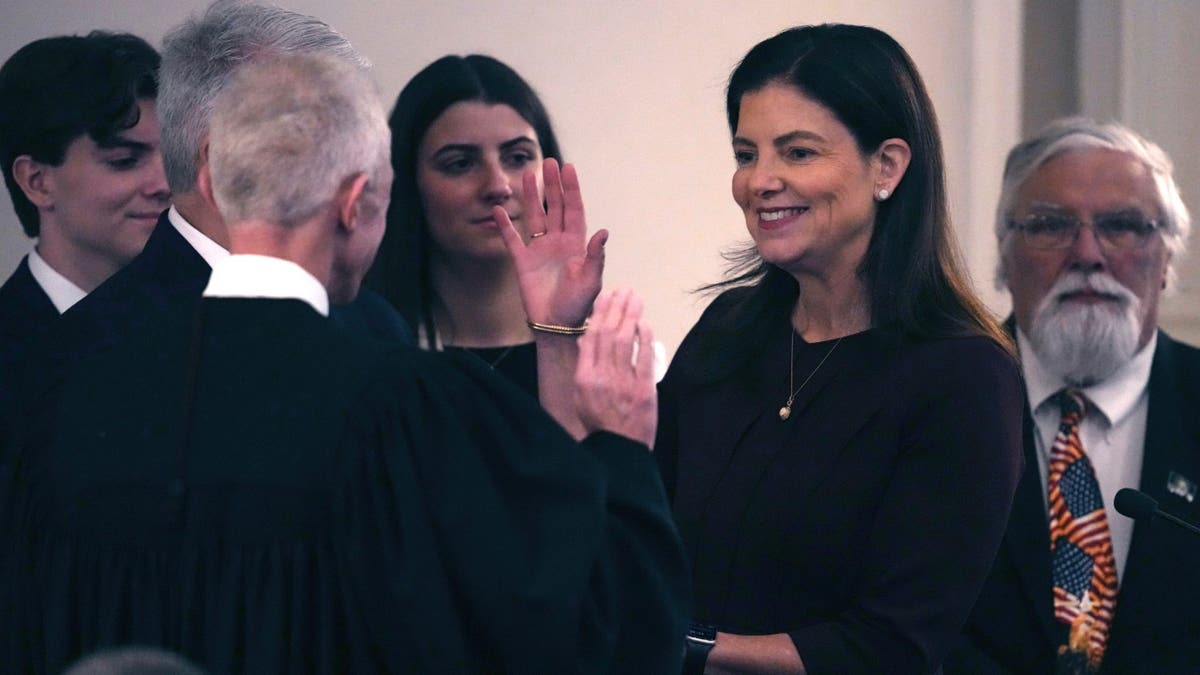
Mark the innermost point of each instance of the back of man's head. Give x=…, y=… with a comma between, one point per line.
x=134, y=661
x=54, y=90
x=288, y=131
x=201, y=55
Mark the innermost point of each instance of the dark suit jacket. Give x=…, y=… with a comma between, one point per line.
x=864, y=525
x=170, y=271
x=254, y=488
x=26, y=315
x=1156, y=628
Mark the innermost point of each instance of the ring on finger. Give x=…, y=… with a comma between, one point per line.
x=535, y=235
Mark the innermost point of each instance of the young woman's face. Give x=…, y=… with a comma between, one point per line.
x=472, y=158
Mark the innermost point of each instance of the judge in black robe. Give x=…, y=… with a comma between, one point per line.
x=261, y=491
x=376, y=510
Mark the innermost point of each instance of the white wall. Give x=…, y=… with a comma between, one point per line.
x=636, y=92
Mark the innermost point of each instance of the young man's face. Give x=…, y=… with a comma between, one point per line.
x=104, y=199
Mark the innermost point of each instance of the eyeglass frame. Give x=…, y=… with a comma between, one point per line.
x=1103, y=241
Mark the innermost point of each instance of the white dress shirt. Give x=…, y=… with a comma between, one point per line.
x=62, y=291
x=1113, y=430
x=208, y=249
x=260, y=276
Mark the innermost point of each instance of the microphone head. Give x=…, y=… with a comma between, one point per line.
x=1135, y=504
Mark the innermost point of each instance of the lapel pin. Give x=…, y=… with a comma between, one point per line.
x=1181, y=486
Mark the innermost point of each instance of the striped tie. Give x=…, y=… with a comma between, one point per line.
x=1085, y=574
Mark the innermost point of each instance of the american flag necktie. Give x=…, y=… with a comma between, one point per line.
x=1085, y=573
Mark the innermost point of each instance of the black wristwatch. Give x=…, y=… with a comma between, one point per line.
x=698, y=643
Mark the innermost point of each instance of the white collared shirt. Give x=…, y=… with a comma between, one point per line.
x=208, y=249
x=62, y=291
x=1113, y=431
x=259, y=276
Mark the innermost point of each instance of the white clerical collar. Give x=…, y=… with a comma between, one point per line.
x=208, y=249
x=259, y=276
x=62, y=291
x=1115, y=397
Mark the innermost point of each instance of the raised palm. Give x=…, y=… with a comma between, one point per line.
x=559, y=273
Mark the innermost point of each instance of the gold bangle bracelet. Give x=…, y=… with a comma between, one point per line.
x=557, y=330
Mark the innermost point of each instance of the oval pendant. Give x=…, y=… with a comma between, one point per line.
x=785, y=412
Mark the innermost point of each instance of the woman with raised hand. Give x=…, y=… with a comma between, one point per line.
x=469, y=140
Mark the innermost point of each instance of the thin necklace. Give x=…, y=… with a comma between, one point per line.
x=786, y=411
x=492, y=364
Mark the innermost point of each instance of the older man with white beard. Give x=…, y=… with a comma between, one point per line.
x=1089, y=223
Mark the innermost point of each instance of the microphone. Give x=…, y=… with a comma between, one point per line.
x=1141, y=506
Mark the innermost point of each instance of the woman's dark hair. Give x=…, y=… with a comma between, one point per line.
x=401, y=269
x=54, y=90
x=911, y=268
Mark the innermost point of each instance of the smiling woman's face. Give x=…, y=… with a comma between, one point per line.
x=805, y=188
x=472, y=158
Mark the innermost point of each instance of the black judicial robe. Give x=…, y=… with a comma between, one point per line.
x=254, y=489
x=167, y=273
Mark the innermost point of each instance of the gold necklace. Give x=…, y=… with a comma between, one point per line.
x=492, y=364
x=474, y=352
x=786, y=411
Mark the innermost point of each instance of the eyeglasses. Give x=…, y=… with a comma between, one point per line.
x=1124, y=231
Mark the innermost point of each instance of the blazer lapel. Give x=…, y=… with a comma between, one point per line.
x=25, y=307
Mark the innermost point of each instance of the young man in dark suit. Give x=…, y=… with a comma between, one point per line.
x=80, y=156
x=260, y=491
x=1089, y=223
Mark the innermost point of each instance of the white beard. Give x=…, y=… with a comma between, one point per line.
x=1086, y=343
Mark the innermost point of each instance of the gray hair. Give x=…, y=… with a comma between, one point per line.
x=288, y=131
x=134, y=661
x=1080, y=133
x=200, y=56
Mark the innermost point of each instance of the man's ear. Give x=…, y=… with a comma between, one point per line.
x=348, y=201
x=204, y=175
x=892, y=158
x=35, y=180
x=204, y=183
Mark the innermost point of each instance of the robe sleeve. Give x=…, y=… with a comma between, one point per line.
x=557, y=556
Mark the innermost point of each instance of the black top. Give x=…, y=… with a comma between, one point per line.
x=321, y=504
x=863, y=525
x=517, y=363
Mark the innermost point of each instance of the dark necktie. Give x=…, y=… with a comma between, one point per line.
x=1085, y=573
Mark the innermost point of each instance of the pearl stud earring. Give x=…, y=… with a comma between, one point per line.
x=882, y=194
